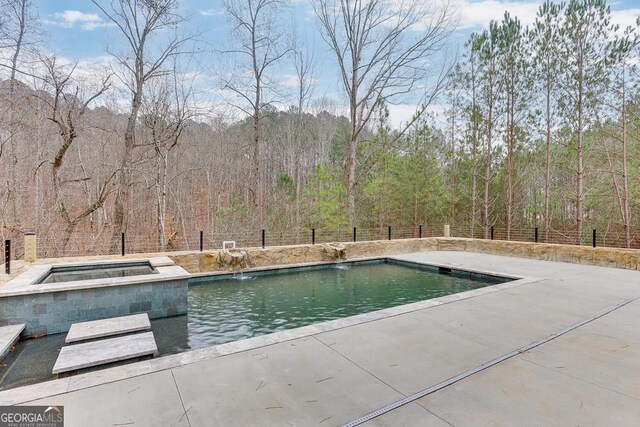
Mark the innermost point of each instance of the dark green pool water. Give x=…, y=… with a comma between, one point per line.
x=221, y=311
x=231, y=310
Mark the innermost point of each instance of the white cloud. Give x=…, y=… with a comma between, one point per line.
x=401, y=114
x=293, y=81
x=476, y=14
x=289, y=80
x=71, y=18
x=625, y=17
x=211, y=12
x=93, y=25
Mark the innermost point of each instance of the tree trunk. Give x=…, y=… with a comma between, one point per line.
x=351, y=166
x=487, y=174
x=473, y=192
x=161, y=202
x=625, y=177
x=13, y=125
x=510, y=138
x=547, y=163
x=580, y=171
x=474, y=150
x=121, y=204
x=454, y=170
x=255, y=160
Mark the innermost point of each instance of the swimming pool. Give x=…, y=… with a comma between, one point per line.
x=223, y=309
x=228, y=310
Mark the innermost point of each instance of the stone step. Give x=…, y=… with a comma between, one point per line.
x=108, y=327
x=8, y=336
x=96, y=353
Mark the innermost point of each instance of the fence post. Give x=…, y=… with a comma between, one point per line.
x=354, y=234
x=7, y=256
x=201, y=240
x=420, y=231
x=122, y=243
x=30, y=247
x=263, y=239
x=492, y=232
x=535, y=235
x=313, y=236
x=389, y=232
x=594, y=237
x=446, y=232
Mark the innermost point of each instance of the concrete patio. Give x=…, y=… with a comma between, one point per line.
x=588, y=376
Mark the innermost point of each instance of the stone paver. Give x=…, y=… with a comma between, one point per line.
x=588, y=376
x=95, y=353
x=108, y=327
x=148, y=400
x=482, y=319
x=302, y=382
x=407, y=354
x=517, y=392
x=605, y=352
x=8, y=336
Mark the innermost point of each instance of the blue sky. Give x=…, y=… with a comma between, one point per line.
x=75, y=30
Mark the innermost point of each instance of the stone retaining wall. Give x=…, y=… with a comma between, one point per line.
x=236, y=259
x=605, y=257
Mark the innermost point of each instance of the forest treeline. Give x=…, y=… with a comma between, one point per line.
x=531, y=126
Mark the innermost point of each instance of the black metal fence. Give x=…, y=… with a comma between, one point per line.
x=52, y=245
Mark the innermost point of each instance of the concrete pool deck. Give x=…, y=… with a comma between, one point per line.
x=588, y=376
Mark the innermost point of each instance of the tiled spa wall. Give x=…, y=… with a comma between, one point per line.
x=54, y=312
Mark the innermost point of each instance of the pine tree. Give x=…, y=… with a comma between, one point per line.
x=584, y=59
x=545, y=39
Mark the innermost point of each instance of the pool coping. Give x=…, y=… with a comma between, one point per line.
x=24, y=284
x=50, y=388
x=355, y=261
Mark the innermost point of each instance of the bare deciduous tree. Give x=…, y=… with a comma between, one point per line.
x=304, y=64
x=258, y=45
x=67, y=105
x=383, y=49
x=148, y=28
x=17, y=32
x=165, y=114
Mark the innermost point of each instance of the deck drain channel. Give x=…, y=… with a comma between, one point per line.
x=452, y=380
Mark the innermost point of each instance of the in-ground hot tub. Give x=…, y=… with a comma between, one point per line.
x=49, y=298
x=73, y=273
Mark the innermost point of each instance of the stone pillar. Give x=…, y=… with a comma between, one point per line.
x=30, y=247
x=447, y=230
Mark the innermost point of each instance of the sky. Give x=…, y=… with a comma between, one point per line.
x=76, y=30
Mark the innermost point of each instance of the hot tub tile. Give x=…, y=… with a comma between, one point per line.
x=39, y=308
x=60, y=296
